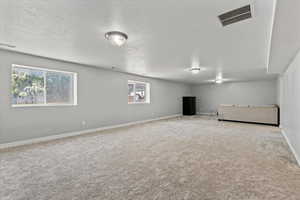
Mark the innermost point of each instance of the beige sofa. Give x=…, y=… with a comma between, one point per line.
x=255, y=114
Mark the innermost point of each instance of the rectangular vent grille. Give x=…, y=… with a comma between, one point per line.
x=236, y=15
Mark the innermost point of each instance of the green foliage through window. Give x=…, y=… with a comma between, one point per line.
x=36, y=86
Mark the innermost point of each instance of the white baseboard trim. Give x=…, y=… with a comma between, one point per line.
x=208, y=114
x=291, y=147
x=77, y=133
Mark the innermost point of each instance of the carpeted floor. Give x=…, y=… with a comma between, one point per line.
x=183, y=158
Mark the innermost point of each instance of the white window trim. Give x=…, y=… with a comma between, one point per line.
x=75, y=102
x=41, y=105
x=148, y=88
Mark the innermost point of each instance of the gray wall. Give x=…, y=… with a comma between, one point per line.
x=279, y=89
x=290, y=104
x=102, y=101
x=209, y=96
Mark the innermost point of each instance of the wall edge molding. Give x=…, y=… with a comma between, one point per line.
x=78, y=133
x=291, y=147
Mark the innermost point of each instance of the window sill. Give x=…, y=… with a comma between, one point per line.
x=138, y=103
x=41, y=105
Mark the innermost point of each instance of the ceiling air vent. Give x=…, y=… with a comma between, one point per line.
x=236, y=15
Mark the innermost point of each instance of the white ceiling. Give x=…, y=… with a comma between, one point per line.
x=286, y=35
x=165, y=36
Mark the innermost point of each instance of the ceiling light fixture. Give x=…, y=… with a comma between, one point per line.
x=116, y=38
x=219, y=81
x=195, y=70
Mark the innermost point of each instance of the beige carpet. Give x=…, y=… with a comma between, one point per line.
x=184, y=158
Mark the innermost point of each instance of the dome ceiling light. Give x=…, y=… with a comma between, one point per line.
x=195, y=70
x=116, y=38
x=219, y=80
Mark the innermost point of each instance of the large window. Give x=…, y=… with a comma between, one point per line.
x=33, y=86
x=138, y=92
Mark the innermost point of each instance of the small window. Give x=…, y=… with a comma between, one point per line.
x=33, y=86
x=138, y=92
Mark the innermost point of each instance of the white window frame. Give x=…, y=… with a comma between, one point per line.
x=147, y=91
x=75, y=77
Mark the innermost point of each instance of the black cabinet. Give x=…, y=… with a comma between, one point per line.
x=188, y=105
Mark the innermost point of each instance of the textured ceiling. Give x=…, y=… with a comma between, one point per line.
x=165, y=37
